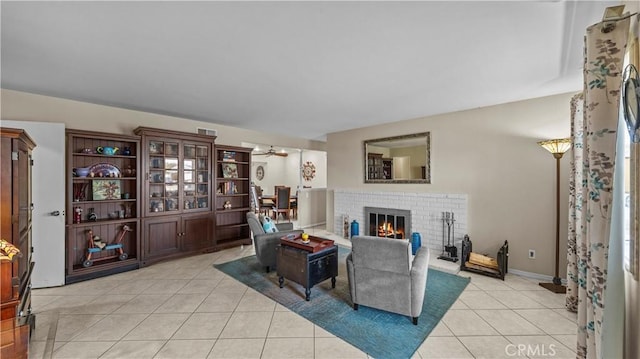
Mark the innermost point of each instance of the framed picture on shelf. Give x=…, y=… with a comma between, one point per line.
x=106, y=189
x=229, y=170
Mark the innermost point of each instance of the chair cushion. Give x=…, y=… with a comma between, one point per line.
x=268, y=225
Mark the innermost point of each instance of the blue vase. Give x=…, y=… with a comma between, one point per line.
x=355, y=228
x=416, y=242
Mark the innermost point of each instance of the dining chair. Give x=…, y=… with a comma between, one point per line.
x=275, y=188
x=261, y=206
x=255, y=202
x=294, y=206
x=282, y=204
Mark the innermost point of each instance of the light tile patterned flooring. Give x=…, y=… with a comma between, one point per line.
x=187, y=309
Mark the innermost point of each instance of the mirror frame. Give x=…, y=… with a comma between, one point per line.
x=427, y=179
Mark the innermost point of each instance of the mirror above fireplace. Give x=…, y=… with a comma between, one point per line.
x=398, y=159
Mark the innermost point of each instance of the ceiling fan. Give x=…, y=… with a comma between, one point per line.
x=271, y=152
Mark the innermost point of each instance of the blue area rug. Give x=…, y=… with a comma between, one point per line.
x=378, y=333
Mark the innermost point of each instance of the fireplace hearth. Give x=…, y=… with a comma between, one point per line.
x=387, y=222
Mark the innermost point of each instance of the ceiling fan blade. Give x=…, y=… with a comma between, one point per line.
x=272, y=152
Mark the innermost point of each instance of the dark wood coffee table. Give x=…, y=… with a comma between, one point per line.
x=307, y=263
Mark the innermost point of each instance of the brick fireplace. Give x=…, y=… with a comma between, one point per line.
x=425, y=212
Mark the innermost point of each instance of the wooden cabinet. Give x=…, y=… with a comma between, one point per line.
x=103, y=225
x=379, y=167
x=136, y=200
x=177, y=175
x=197, y=232
x=233, y=165
x=15, y=218
x=177, y=193
x=162, y=237
x=387, y=168
x=175, y=236
x=374, y=165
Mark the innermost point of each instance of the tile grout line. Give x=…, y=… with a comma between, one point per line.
x=51, y=335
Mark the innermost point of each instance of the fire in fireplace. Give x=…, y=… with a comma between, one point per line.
x=388, y=222
x=386, y=230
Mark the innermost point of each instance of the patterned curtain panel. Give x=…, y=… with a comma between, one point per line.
x=576, y=203
x=594, y=116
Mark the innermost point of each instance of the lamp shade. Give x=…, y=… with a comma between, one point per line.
x=557, y=147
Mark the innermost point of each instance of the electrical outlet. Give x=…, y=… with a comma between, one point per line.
x=532, y=254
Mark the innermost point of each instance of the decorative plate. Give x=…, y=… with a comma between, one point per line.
x=308, y=171
x=104, y=170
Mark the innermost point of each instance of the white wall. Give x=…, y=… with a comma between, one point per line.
x=275, y=173
x=319, y=159
x=311, y=207
x=490, y=154
x=286, y=170
x=22, y=106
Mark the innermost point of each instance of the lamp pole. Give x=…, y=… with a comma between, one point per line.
x=557, y=148
x=556, y=278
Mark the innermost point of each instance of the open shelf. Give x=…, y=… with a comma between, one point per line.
x=233, y=166
x=110, y=195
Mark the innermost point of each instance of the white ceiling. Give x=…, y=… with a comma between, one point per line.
x=299, y=68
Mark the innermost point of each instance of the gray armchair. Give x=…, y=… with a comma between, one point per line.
x=265, y=243
x=382, y=274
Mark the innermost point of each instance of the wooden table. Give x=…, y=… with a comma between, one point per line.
x=272, y=198
x=307, y=263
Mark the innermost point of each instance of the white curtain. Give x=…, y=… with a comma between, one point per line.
x=613, y=341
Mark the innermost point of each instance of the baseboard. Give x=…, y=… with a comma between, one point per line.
x=536, y=276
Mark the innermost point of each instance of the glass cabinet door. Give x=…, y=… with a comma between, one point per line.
x=195, y=175
x=164, y=170
x=179, y=176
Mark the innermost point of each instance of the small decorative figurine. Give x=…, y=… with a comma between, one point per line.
x=77, y=214
x=92, y=216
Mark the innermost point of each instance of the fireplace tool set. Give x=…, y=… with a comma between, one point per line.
x=449, y=250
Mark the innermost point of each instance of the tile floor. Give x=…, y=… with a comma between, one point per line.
x=187, y=309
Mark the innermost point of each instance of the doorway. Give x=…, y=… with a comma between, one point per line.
x=48, y=189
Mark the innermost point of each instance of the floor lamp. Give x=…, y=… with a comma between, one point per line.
x=557, y=148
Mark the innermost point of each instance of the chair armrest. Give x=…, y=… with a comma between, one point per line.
x=420, y=263
x=419, y=271
x=283, y=227
x=351, y=279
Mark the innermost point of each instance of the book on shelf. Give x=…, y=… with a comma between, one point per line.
x=228, y=188
x=229, y=156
